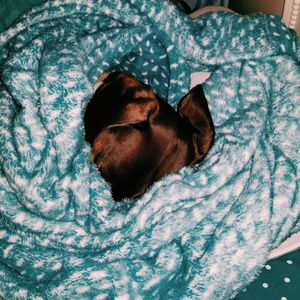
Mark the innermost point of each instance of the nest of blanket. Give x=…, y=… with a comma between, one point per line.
x=203, y=233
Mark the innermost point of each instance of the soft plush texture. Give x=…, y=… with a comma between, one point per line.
x=203, y=233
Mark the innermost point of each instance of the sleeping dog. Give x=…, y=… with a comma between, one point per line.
x=137, y=137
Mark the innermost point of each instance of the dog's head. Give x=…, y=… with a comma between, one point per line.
x=137, y=137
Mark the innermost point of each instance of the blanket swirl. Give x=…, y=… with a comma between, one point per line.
x=202, y=233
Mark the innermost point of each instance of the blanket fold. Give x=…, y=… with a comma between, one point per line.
x=202, y=233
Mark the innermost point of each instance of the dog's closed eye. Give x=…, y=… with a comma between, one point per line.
x=142, y=126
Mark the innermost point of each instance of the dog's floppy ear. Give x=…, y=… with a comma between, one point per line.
x=194, y=109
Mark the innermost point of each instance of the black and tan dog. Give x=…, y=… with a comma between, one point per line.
x=137, y=137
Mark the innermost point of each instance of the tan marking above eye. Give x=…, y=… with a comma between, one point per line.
x=141, y=90
x=145, y=93
x=130, y=82
x=138, y=112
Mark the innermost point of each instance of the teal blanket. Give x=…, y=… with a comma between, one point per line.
x=202, y=233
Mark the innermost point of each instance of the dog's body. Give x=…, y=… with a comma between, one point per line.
x=137, y=137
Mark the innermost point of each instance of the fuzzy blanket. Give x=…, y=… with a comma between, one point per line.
x=202, y=233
